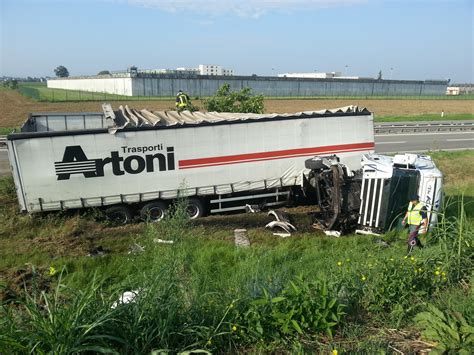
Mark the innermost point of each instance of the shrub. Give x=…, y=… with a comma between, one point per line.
x=227, y=101
x=302, y=307
x=448, y=329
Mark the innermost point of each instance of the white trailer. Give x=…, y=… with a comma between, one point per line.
x=142, y=160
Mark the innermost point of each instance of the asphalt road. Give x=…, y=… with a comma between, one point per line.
x=384, y=143
x=422, y=142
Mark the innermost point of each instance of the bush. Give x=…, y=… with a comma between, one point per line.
x=226, y=101
x=448, y=329
x=302, y=307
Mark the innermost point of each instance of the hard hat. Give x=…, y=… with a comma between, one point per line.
x=414, y=197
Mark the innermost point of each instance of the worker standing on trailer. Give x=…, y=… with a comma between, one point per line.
x=417, y=219
x=182, y=101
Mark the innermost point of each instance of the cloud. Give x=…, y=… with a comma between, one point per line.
x=242, y=8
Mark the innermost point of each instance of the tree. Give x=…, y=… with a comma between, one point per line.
x=239, y=101
x=61, y=72
x=103, y=72
x=11, y=84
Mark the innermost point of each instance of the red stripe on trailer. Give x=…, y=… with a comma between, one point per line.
x=277, y=154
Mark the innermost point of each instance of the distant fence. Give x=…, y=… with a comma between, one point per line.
x=40, y=92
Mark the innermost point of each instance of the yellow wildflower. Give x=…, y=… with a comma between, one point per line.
x=438, y=268
x=444, y=274
x=334, y=352
x=363, y=278
x=437, y=272
x=348, y=259
x=391, y=259
x=209, y=342
x=52, y=271
x=420, y=269
x=339, y=263
x=412, y=258
x=234, y=328
x=405, y=257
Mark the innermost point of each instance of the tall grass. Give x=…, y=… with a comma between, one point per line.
x=200, y=293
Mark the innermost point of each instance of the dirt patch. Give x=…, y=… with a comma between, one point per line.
x=26, y=279
x=16, y=107
x=379, y=107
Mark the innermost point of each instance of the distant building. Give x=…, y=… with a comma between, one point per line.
x=212, y=69
x=460, y=89
x=452, y=90
x=203, y=69
x=184, y=71
x=317, y=75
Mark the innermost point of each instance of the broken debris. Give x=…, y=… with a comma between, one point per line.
x=135, y=249
x=126, y=297
x=282, y=222
x=158, y=240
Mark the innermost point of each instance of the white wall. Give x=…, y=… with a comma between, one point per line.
x=119, y=86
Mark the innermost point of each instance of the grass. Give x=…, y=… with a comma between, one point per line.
x=386, y=97
x=426, y=117
x=196, y=291
x=40, y=92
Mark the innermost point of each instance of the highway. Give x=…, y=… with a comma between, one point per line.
x=422, y=142
x=384, y=143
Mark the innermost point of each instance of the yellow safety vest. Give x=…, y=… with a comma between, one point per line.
x=414, y=215
x=183, y=101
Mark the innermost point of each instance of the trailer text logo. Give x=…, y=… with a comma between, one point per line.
x=75, y=161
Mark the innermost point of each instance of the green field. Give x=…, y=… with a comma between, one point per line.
x=306, y=293
x=40, y=92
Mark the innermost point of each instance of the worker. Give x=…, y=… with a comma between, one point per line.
x=417, y=219
x=182, y=101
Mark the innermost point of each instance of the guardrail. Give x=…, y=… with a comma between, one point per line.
x=412, y=127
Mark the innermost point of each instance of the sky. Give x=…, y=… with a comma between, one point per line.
x=406, y=39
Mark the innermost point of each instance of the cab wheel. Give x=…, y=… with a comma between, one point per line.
x=153, y=211
x=118, y=215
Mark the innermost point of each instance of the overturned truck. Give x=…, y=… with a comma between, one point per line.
x=374, y=198
x=134, y=163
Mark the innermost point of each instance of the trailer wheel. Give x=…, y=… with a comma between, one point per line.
x=195, y=208
x=118, y=214
x=153, y=211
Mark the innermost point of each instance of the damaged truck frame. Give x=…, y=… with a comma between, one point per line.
x=136, y=162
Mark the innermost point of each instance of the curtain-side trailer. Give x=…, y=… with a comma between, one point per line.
x=131, y=161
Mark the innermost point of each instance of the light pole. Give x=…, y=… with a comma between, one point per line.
x=391, y=73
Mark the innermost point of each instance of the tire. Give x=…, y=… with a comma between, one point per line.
x=153, y=211
x=118, y=215
x=195, y=208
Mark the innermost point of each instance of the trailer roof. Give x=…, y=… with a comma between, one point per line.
x=65, y=123
x=129, y=117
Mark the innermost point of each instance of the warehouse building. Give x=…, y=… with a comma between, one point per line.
x=166, y=85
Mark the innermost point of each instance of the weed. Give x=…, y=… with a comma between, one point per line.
x=449, y=329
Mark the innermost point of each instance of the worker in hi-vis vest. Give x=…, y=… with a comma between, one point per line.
x=182, y=101
x=417, y=220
